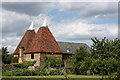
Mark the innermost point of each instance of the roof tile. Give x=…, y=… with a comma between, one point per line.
x=44, y=42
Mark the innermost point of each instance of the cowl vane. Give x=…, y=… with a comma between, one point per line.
x=44, y=23
x=31, y=26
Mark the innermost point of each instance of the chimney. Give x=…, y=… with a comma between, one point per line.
x=20, y=60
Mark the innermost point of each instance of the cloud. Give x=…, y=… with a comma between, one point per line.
x=100, y=10
x=16, y=18
x=14, y=23
x=71, y=30
x=14, y=26
x=11, y=42
x=78, y=31
x=29, y=8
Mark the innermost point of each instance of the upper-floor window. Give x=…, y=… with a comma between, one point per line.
x=68, y=50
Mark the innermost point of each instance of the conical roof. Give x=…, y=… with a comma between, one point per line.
x=44, y=42
x=26, y=40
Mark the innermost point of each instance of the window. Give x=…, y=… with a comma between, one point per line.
x=68, y=50
x=32, y=55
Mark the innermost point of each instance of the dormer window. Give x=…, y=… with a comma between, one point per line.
x=68, y=50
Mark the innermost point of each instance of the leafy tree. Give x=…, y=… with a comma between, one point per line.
x=105, y=49
x=115, y=48
x=4, y=50
x=79, y=65
x=51, y=61
x=106, y=56
x=7, y=58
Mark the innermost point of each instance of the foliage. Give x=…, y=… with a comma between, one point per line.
x=20, y=72
x=105, y=56
x=105, y=49
x=27, y=72
x=52, y=62
x=78, y=60
x=8, y=58
x=14, y=60
x=104, y=59
x=4, y=50
x=56, y=72
x=8, y=67
x=57, y=77
x=113, y=76
x=25, y=64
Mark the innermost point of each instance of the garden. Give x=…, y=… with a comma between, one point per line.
x=102, y=63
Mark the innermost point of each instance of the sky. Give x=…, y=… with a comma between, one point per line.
x=68, y=21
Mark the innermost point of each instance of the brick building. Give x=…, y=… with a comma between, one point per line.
x=35, y=45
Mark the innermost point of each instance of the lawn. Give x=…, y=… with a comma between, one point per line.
x=56, y=76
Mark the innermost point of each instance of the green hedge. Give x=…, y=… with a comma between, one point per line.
x=20, y=72
x=27, y=72
x=25, y=64
x=8, y=67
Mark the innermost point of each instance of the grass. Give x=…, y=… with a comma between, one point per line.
x=55, y=76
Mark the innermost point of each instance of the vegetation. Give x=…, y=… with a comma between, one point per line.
x=104, y=60
x=8, y=58
x=106, y=56
x=25, y=64
x=51, y=65
x=59, y=76
x=52, y=62
x=79, y=63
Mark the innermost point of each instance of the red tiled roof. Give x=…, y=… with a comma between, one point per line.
x=44, y=42
x=26, y=40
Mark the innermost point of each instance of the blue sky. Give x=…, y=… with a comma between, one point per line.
x=70, y=21
x=60, y=15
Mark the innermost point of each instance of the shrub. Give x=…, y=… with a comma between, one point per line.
x=21, y=72
x=113, y=76
x=25, y=64
x=24, y=72
x=55, y=72
x=51, y=61
x=14, y=60
x=8, y=67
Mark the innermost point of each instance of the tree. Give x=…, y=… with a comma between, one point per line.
x=79, y=65
x=106, y=56
x=7, y=58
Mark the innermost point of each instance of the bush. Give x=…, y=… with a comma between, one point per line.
x=14, y=60
x=7, y=73
x=55, y=72
x=114, y=76
x=25, y=72
x=20, y=72
x=51, y=61
x=25, y=64
x=8, y=67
